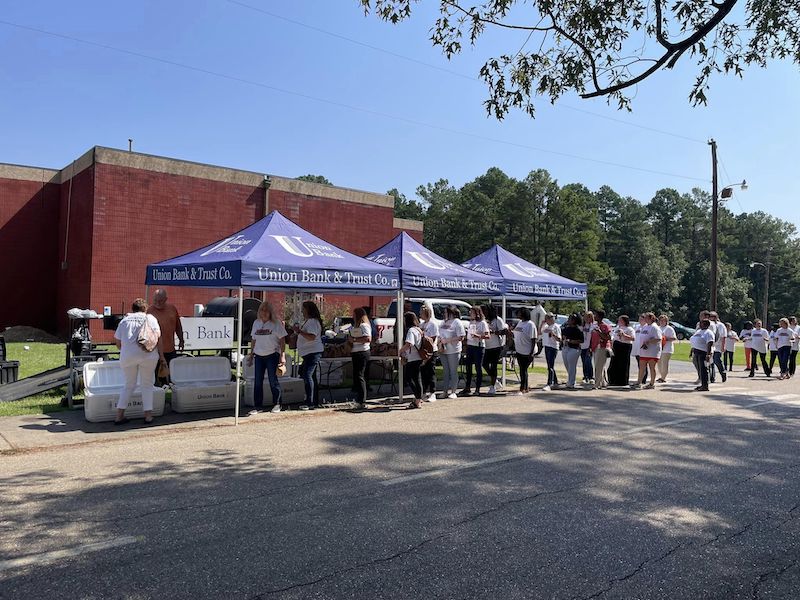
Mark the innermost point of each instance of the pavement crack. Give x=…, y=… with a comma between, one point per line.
x=776, y=573
x=415, y=547
x=634, y=572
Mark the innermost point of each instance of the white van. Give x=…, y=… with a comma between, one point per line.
x=436, y=305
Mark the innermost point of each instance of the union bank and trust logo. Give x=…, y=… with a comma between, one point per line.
x=523, y=271
x=294, y=244
x=229, y=245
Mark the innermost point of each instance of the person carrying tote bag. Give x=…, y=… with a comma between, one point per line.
x=137, y=338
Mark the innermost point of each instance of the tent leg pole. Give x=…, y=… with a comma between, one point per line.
x=586, y=304
x=238, y=359
x=147, y=294
x=504, y=360
x=399, y=337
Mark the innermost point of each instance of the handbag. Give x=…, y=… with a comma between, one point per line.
x=147, y=338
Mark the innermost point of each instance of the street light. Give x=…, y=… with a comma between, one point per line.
x=766, y=266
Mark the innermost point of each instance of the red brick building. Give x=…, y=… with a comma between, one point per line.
x=83, y=235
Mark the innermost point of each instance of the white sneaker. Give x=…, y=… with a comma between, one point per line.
x=591, y=382
x=546, y=388
x=253, y=412
x=491, y=390
x=452, y=396
x=432, y=398
x=573, y=387
x=499, y=386
x=276, y=409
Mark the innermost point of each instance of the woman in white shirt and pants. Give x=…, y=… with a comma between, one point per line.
x=451, y=334
x=268, y=353
x=136, y=363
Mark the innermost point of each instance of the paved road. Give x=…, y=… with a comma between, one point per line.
x=653, y=494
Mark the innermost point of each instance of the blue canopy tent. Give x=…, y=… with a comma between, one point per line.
x=274, y=254
x=523, y=279
x=425, y=273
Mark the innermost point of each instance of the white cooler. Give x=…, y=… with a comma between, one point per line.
x=104, y=382
x=202, y=383
x=292, y=390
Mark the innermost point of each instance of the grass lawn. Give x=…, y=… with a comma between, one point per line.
x=38, y=359
x=682, y=353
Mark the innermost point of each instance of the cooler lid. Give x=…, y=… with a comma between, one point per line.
x=200, y=368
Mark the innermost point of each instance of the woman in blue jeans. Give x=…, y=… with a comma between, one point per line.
x=268, y=353
x=477, y=334
x=310, y=347
x=571, y=352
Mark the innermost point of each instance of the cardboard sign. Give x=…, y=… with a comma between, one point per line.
x=207, y=333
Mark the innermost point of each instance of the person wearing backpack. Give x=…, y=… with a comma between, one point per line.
x=430, y=329
x=137, y=338
x=412, y=358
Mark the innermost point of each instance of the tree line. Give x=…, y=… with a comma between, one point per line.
x=634, y=256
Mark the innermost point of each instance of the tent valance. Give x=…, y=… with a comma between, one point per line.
x=522, y=279
x=424, y=272
x=278, y=255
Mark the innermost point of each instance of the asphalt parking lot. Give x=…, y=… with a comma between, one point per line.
x=618, y=494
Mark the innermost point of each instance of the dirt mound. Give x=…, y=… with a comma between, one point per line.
x=22, y=333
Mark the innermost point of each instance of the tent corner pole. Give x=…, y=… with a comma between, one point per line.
x=238, y=357
x=504, y=359
x=399, y=336
x=147, y=294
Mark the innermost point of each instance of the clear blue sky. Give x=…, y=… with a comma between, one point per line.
x=60, y=97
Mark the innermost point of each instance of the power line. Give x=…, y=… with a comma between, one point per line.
x=341, y=104
x=450, y=71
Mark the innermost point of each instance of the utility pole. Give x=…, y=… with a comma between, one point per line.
x=714, y=223
x=766, y=295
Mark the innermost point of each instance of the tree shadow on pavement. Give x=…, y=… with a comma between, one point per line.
x=550, y=499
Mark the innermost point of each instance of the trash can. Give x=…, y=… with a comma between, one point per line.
x=9, y=371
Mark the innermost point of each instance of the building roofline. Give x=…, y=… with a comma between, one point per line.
x=187, y=168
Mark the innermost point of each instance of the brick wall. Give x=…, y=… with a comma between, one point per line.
x=74, y=259
x=127, y=210
x=28, y=252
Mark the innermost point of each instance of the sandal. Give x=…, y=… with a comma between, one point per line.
x=149, y=422
x=122, y=421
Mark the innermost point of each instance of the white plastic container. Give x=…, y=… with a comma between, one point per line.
x=202, y=383
x=104, y=382
x=292, y=389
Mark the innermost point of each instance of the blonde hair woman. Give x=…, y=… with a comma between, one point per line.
x=268, y=353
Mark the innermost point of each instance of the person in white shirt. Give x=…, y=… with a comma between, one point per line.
x=636, y=347
x=668, y=338
x=494, y=345
x=524, y=345
x=413, y=360
x=136, y=362
x=451, y=335
x=586, y=353
x=619, y=370
x=795, y=345
x=720, y=335
x=702, y=346
x=538, y=314
x=746, y=337
x=360, y=336
x=649, y=350
x=784, y=338
x=430, y=328
x=773, y=347
x=759, y=338
x=310, y=348
x=477, y=334
x=551, y=340
x=268, y=354
x=730, y=347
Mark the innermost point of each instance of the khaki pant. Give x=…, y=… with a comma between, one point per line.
x=600, y=357
x=663, y=365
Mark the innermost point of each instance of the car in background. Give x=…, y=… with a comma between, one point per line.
x=681, y=331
